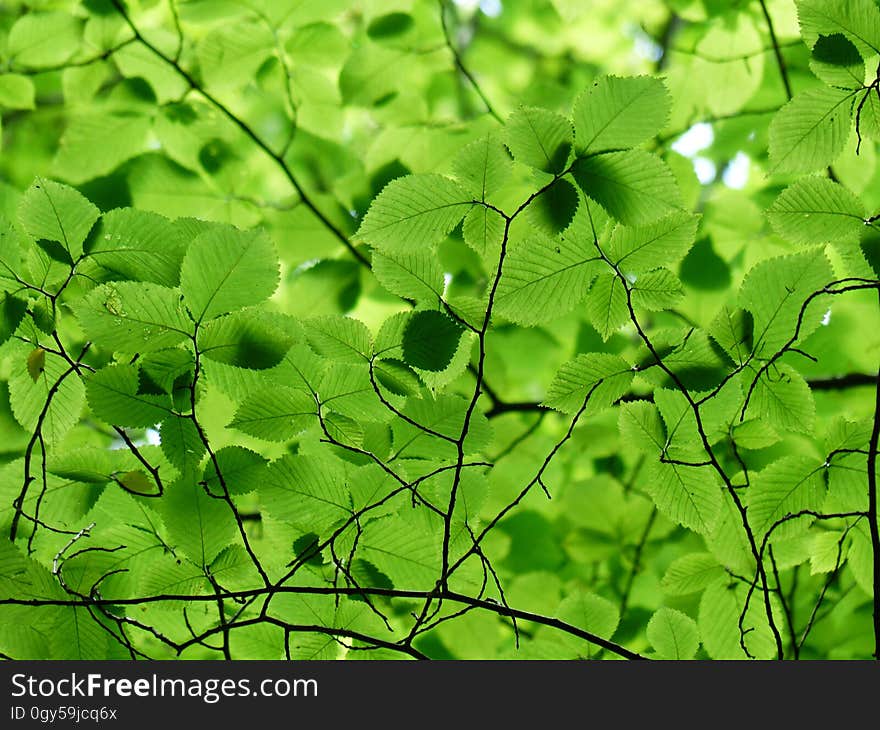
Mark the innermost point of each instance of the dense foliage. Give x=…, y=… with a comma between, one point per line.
x=402, y=328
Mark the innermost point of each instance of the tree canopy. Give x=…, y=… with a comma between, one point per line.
x=431, y=329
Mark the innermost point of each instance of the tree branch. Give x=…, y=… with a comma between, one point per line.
x=777, y=51
x=499, y=406
x=873, y=514
x=459, y=64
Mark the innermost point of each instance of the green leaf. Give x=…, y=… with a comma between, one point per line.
x=733, y=329
x=243, y=470
x=389, y=26
x=824, y=551
x=415, y=211
x=44, y=316
x=83, y=82
x=591, y=613
x=607, y=304
x=16, y=91
x=134, y=317
x=754, y=434
x=687, y=495
x=246, y=339
x=12, y=247
x=397, y=377
x=445, y=415
x=167, y=370
x=663, y=243
x=602, y=377
x=860, y=559
x=318, y=44
x=158, y=184
x=616, y=112
x=656, y=290
x=113, y=397
x=858, y=20
x=641, y=428
x=275, y=414
x=226, y=269
x=91, y=465
x=405, y=547
x=483, y=167
x=345, y=389
x=230, y=56
x=837, y=62
x=816, y=210
x=554, y=209
x=257, y=641
x=545, y=277
x=691, y=573
x=135, y=244
x=339, y=338
x=371, y=74
x=774, y=292
x=728, y=67
x=137, y=61
x=635, y=187
x=720, y=609
x=138, y=482
x=430, y=340
x=412, y=274
x=36, y=363
x=28, y=397
x=483, y=230
x=344, y=430
x=783, y=400
x=95, y=144
x=199, y=525
x=673, y=634
x=40, y=40
x=12, y=311
x=810, y=131
x=56, y=212
x=704, y=269
x=76, y=636
x=307, y=492
x=787, y=486
x=177, y=577
x=182, y=443
x=539, y=138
